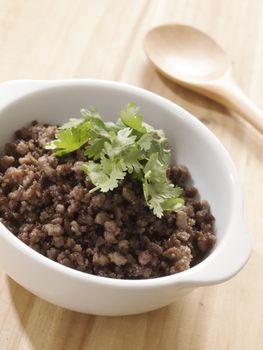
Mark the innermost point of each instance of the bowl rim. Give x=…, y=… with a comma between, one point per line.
x=41, y=86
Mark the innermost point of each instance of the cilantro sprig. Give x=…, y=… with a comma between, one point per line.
x=130, y=146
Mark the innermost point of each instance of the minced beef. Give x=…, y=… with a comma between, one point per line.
x=45, y=201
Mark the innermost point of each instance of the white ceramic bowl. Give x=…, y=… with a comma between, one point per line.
x=192, y=144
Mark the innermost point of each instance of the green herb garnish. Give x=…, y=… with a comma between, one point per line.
x=129, y=146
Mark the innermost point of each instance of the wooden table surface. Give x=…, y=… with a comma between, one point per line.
x=103, y=39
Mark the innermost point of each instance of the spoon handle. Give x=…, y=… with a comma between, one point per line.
x=228, y=93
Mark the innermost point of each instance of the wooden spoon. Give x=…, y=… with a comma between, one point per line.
x=194, y=60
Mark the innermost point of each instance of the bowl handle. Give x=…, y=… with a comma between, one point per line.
x=226, y=261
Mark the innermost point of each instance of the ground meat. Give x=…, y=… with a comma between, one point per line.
x=53, y=230
x=45, y=201
x=181, y=220
x=144, y=257
x=117, y=259
x=6, y=162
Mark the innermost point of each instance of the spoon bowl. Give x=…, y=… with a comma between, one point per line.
x=186, y=54
x=193, y=59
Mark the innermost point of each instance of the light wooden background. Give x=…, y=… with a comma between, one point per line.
x=52, y=39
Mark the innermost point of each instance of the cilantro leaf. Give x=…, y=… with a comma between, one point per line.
x=72, y=123
x=119, y=142
x=130, y=117
x=89, y=113
x=105, y=175
x=132, y=159
x=159, y=147
x=95, y=148
x=69, y=140
x=98, y=127
x=145, y=142
x=173, y=204
x=159, y=193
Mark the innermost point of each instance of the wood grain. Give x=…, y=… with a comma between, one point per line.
x=104, y=39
